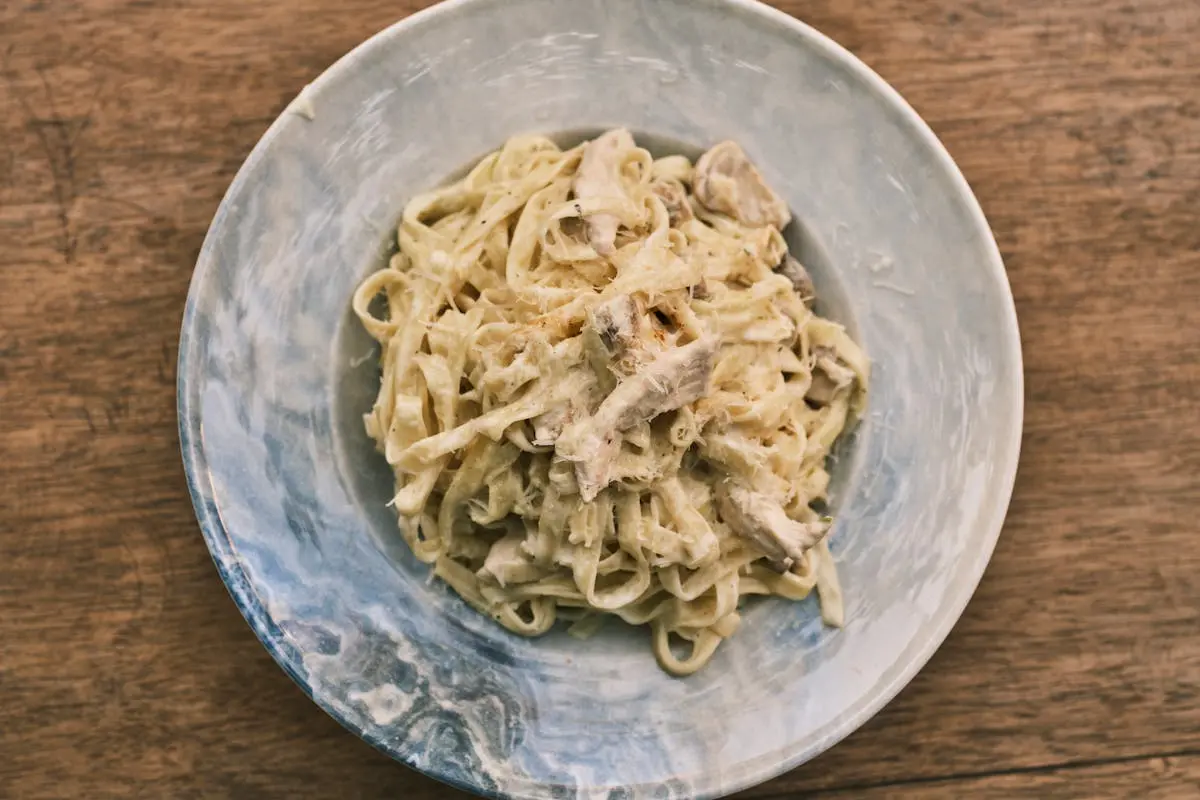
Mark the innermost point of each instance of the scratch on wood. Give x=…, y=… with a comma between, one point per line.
x=58, y=137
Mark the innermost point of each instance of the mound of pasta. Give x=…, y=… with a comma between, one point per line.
x=605, y=393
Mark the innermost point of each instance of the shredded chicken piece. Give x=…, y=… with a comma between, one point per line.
x=507, y=563
x=795, y=272
x=599, y=175
x=673, y=379
x=581, y=392
x=829, y=377
x=675, y=198
x=763, y=522
x=726, y=182
x=615, y=322
x=613, y=330
x=548, y=427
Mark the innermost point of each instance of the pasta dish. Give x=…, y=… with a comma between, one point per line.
x=605, y=392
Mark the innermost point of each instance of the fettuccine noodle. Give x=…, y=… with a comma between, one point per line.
x=604, y=392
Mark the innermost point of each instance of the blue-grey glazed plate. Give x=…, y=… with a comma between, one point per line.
x=274, y=376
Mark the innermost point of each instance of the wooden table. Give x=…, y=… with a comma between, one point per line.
x=125, y=670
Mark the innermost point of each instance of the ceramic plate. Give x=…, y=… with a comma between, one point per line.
x=275, y=374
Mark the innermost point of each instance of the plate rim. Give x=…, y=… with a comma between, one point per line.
x=713, y=783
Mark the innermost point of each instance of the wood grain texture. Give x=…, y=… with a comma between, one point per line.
x=126, y=671
x=1149, y=778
